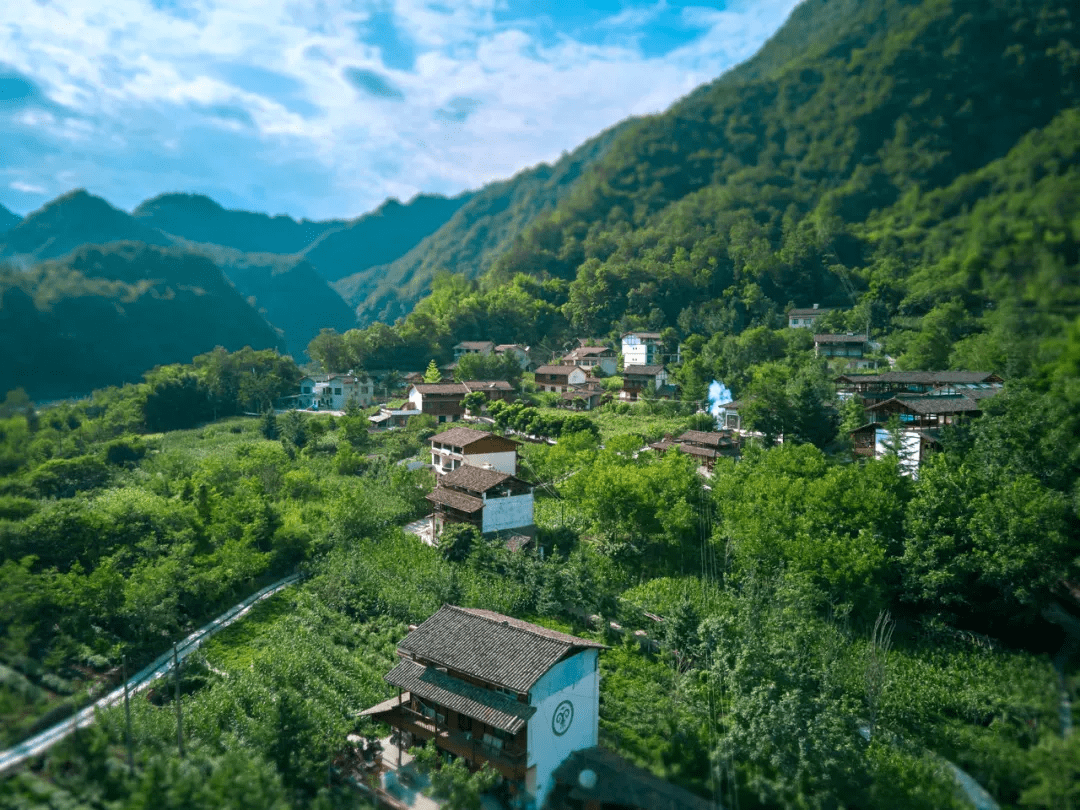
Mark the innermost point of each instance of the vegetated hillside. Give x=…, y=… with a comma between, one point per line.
x=104, y=315
x=73, y=219
x=483, y=227
x=287, y=290
x=201, y=219
x=8, y=219
x=382, y=235
x=752, y=193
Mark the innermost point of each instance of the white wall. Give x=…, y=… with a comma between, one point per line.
x=513, y=512
x=910, y=452
x=416, y=399
x=576, y=377
x=505, y=461
x=577, y=681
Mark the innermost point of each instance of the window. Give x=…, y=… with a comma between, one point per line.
x=464, y=723
x=307, y=389
x=337, y=391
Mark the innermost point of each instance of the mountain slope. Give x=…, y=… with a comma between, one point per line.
x=8, y=220
x=760, y=175
x=381, y=236
x=287, y=290
x=103, y=316
x=74, y=219
x=200, y=219
x=483, y=227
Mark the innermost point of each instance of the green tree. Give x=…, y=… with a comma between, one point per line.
x=268, y=425
x=294, y=428
x=432, y=374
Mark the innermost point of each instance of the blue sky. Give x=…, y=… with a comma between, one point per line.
x=324, y=108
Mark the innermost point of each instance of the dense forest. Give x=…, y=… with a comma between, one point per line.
x=825, y=631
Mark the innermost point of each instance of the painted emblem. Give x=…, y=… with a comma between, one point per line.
x=563, y=717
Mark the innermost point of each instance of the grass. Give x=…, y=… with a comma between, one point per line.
x=237, y=646
x=651, y=427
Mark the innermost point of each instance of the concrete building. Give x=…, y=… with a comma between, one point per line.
x=805, y=318
x=458, y=447
x=641, y=349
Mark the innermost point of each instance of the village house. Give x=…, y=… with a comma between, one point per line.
x=641, y=349
x=704, y=446
x=490, y=500
x=853, y=347
x=591, y=358
x=729, y=416
x=805, y=318
x=441, y=400
x=334, y=391
x=517, y=351
x=872, y=388
x=476, y=448
x=495, y=389
x=583, y=397
x=559, y=378
x=636, y=379
x=473, y=347
x=392, y=418
x=495, y=690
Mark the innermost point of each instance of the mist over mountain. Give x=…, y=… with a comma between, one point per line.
x=105, y=315
x=198, y=218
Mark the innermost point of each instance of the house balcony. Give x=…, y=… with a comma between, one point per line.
x=510, y=763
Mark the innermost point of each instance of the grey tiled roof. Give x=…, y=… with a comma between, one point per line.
x=475, y=478
x=473, y=701
x=650, y=371
x=459, y=436
x=488, y=385
x=840, y=339
x=694, y=450
x=705, y=437
x=924, y=377
x=932, y=405
x=456, y=500
x=441, y=388
x=490, y=646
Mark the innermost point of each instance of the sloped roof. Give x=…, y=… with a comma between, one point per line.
x=441, y=388
x=705, y=437
x=931, y=404
x=558, y=370
x=922, y=377
x=840, y=339
x=590, y=351
x=475, y=478
x=460, y=436
x=481, y=704
x=694, y=450
x=812, y=311
x=455, y=500
x=650, y=335
x=490, y=646
x=475, y=345
x=488, y=385
x=645, y=371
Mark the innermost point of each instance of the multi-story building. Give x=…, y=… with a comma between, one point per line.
x=805, y=318
x=873, y=388
x=458, y=447
x=560, y=378
x=641, y=349
x=333, y=392
x=441, y=400
x=636, y=379
x=591, y=358
x=496, y=690
x=853, y=347
x=473, y=347
x=490, y=500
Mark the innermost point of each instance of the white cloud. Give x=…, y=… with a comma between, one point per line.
x=482, y=100
x=27, y=188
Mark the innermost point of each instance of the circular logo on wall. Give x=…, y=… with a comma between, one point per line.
x=563, y=717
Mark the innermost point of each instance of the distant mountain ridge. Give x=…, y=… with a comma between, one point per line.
x=97, y=316
x=73, y=219
x=8, y=219
x=198, y=218
x=480, y=230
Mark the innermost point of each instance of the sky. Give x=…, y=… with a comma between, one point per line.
x=325, y=108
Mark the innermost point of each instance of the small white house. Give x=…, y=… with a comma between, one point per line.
x=805, y=318
x=593, y=357
x=515, y=350
x=333, y=392
x=492, y=501
x=560, y=378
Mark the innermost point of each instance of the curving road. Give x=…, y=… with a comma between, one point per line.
x=162, y=665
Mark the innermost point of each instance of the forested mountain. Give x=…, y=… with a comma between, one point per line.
x=8, y=219
x=485, y=226
x=200, y=219
x=912, y=164
x=382, y=235
x=286, y=289
x=76, y=218
x=96, y=317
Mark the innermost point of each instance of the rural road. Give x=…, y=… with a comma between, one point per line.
x=162, y=665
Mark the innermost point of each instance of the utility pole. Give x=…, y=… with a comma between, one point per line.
x=179, y=712
x=127, y=717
